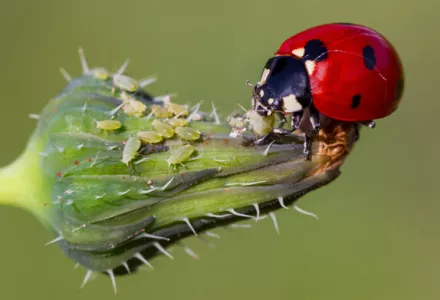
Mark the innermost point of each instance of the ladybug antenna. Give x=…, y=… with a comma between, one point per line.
x=250, y=84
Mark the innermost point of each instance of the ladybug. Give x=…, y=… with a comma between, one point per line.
x=345, y=71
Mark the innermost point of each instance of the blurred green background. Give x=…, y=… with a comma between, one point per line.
x=378, y=236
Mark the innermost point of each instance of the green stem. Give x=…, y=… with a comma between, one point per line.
x=21, y=183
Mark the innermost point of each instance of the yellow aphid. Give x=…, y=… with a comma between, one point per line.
x=178, y=110
x=109, y=125
x=260, y=124
x=187, y=133
x=130, y=150
x=125, y=83
x=163, y=129
x=160, y=111
x=100, y=73
x=134, y=108
x=177, y=122
x=150, y=137
x=180, y=154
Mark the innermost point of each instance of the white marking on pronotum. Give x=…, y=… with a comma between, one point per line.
x=262, y=93
x=186, y=220
x=298, y=52
x=310, y=66
x=214, y=113
x=268, y=148
x=217, y=216
x=275, y=222
x=240, y=225
x=291, y=104
x=86, y=278
x=264, y=76
x=236, y=213
x=244, y=183
x=123, y=67
x=83, y=60
x=99, y=196
x=55, y=240
x=304, y=212
x=112, y=279
x=257, y=211
x=271, y=101
x=147, y=81
x=281, y=201
x=114, y=111
x=65, y=74
x=124, y=192
x=151, y=236
x=124, y=263
x=34, y=116
x=212, y=234
x=162, y=250
x=143, y=260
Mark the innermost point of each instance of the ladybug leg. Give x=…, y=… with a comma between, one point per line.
x=279, y=129
x=369, y=123
x=308, y=147
x=314, y=118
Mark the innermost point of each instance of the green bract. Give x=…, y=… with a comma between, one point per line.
x=117, y=186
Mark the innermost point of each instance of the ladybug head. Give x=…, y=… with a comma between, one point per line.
x=284, y=87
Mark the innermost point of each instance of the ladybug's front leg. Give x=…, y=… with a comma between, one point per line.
x=315, y=122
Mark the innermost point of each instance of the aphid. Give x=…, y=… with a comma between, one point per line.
x=178, y=110
x=100, y=73
x=130, y=150
x=187, y=133
x=238, y=125
x=109, y=125
x=160, y=111
x=150, y=137
x=125, y=83
x=163, y=129
x=262, y=125
x=180, y=154
x=177, y=122
x=134, y=108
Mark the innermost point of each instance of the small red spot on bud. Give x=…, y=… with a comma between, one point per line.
x=58, y=174
x=76, y=163
x=150, y=182
x=227, y=190
x=124, y=142
x=182, y=174
x=89, y=159
x=225, y=141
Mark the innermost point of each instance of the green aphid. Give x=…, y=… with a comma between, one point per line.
x=150, y=137
x=187, y=133
x=163, y=129
x=261, y=125
x=180, y=154
x=109, y=125
x=100, y=73
x=130, y=150
x=177, y=122
x=178, y=110
x=160, y=111
x=125, y=83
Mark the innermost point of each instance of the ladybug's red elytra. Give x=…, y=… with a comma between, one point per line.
x=345, y=71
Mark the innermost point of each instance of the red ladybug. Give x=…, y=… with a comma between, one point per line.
x=345, y=71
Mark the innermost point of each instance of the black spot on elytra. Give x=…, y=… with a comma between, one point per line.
x=369, y=57
x=315, y=50
x=355, y=101
x=400, y=86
